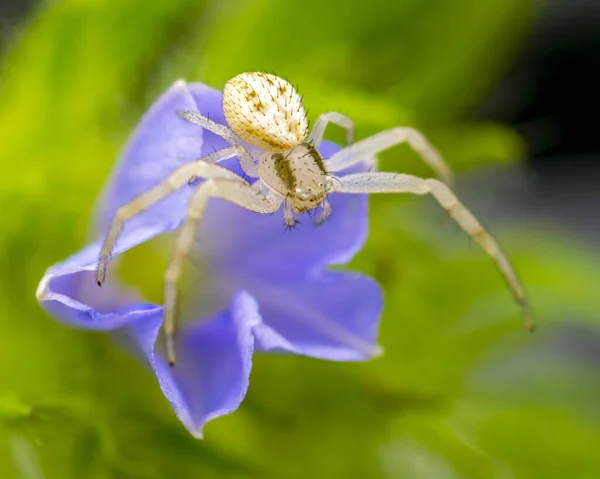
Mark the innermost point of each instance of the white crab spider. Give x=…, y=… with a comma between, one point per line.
x=266, y=112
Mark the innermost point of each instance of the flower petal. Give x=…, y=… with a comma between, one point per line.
x=334, y=316
x=161, y=143
x=214, y=361
x=68, y=291
x=214, y=354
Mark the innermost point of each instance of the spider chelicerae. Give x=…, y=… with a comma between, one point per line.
x=268, y=132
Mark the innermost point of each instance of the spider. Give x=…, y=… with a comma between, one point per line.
x=268, y=132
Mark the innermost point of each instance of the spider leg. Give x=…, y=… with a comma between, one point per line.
x=246, y=160
x=288, y=214
x=235, y=191
x=316, y=135
x=402, y=183
x=371, y=146
x=317, y=132
x=324, y=214
x=204, y=167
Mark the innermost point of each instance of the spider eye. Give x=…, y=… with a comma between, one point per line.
x=300, y=193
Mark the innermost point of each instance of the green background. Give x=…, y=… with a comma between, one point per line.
x=462, y=391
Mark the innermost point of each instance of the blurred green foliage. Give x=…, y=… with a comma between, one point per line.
x=462, y=392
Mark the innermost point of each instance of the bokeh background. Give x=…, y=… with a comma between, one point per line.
x=505, y=88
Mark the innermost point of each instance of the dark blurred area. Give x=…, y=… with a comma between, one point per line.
x=551, y=97
x=551, y=92
x=11, y=13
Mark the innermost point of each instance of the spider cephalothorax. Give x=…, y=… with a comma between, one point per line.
x=268, y=132
x=300, y=176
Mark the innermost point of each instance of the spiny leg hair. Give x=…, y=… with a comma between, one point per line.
x=371, y=146
x=402, y=183
x=235, y=191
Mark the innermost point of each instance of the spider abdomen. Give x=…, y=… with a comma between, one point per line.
x=265, y=111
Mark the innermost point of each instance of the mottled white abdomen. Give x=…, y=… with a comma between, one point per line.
x=265, y=111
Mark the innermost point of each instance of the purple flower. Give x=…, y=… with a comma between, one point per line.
x=268, y=291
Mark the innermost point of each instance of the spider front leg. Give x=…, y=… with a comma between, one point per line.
x=246, y=160
x=371, y=146
x=317, y=132
x=324, y=214
x=402, y=183
x=288, y=214
x=235, y=191
x=204, y=167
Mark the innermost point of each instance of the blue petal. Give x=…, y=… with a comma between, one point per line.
x=68, y=291
x=334, y=316
x=328, y=315
x=161, y=143
x=214, y=362
x=214, y=354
